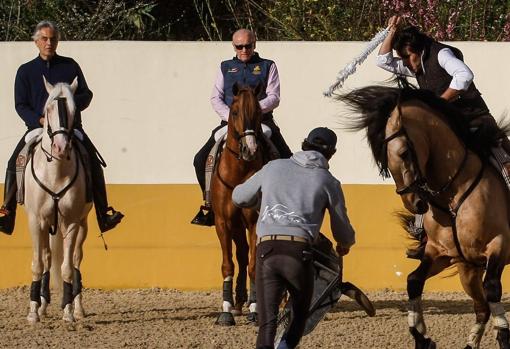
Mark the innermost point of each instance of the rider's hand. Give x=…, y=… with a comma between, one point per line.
x=41, y=120
x=342, y=251
x=393, y=22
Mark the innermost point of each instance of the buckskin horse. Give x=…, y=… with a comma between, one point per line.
x=56, y=206
x=441, y=170
x=241, y=158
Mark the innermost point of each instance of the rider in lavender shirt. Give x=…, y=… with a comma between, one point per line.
x=246, y=68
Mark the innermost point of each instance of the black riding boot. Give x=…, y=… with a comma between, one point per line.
x=9, y=207
x=105, y=220
x=202, y=218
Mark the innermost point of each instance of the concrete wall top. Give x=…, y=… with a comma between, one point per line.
x=151, y=109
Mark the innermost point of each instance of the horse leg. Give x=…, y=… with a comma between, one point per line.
x=492, y=288
x=415, y=283
x=45, y=281
x=471, y=280
x=227, y=269
x=241, y=294
x=38, y=243
x=79, y=312
x=67, y=273
x=252, y=300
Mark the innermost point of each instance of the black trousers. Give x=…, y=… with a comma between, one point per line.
x=201, y=157
x=283, y=265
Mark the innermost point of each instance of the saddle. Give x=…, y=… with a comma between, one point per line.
x=32, y=139
x=214, y=155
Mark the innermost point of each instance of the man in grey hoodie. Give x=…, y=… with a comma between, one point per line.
x=294, y=194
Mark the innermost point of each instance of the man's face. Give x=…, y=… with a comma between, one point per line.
x=244, y=46
x=47, y=43
x=411, y=59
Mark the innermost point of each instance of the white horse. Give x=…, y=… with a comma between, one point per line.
x=56, y=206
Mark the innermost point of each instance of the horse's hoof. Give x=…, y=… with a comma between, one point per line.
x=468, y=347
x=503, y=338
x=68, y=313
x=79, y=314
x=33, y=315
x=42, y=309
x=430, y=344
x=33, y=318
x=253, y=318
x=225, y=319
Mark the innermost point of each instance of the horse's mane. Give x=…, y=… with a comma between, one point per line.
x=64, y=90
x=374, y=105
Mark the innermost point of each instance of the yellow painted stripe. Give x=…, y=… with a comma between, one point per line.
x=155, y=246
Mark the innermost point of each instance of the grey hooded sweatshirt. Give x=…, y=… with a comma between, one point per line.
x=295, y=194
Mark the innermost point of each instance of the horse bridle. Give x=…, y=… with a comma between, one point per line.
x=419, y=185
x=64, y=126
x=239, y=136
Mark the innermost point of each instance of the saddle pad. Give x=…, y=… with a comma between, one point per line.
x=31, y=139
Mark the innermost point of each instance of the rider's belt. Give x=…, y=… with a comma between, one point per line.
x=281, y=238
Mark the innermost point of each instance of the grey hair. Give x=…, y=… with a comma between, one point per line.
x=45, y=24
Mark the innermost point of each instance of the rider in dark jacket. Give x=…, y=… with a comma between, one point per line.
x=30, y=96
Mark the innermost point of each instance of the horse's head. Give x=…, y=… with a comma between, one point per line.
x=245, y=120
x=59, y=116
x=406, y=160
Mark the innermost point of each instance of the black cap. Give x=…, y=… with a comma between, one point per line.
x=322, y=137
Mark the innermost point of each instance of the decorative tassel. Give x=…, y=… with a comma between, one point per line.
x=351, y=67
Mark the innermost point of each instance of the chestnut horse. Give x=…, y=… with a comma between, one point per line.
x=56, y=206
x=242, y=157
x=441, y=170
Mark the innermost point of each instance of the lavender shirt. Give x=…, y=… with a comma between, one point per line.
x=267, y=104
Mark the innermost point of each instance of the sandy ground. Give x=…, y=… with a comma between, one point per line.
x=161, y=318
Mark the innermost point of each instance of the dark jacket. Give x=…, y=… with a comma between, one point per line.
x=30, y=93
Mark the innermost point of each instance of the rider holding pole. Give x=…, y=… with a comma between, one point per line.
x=440, y=69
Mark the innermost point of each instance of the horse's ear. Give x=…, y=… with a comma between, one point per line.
x=47, y=85
x=235, y=89
x=74, y=85
x=258, y=89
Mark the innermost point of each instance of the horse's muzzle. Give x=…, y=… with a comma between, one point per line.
x=415, y=204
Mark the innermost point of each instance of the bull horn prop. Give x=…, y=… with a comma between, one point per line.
x=351, y=67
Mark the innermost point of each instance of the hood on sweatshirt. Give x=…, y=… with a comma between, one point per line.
x=310, y=159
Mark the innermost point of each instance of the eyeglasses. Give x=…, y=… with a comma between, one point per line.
x=247, y=46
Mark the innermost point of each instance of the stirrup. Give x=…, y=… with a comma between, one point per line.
x=109, y=221
x=205, y=219
x=4, y=211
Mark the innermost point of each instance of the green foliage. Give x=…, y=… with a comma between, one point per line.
x=78, y=20
x=319, y=20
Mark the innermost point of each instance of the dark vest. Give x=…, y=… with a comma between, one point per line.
x=434, y=78
x=251, y=73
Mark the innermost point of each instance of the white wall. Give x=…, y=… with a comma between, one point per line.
x=151, y=110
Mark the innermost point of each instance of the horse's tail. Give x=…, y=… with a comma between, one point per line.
x=57, y=258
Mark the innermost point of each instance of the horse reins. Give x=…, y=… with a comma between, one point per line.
x=238, y=137
x=420, y=186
